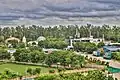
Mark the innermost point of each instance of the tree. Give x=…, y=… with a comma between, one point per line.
x=85, y=47
x=29, y=71
x=21, y=45
x=4, y=54
x=116, y=55
x=100, y=45
x=1, y=38
x=38, y=70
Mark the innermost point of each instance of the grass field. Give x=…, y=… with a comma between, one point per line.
x=21, y=68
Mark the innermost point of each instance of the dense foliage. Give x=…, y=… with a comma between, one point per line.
x=91, y=75
x=8, y=74
x=4, y=54
x=85, y=47
x=65, y=58
x=26, y=55
x=33, y=32
x=53, y=43
x=100, y=45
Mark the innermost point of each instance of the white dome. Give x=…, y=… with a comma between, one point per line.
x=41, y=38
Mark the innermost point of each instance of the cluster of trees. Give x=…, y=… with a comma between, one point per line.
x=61, y=31
x=33, y=71
x=91, y=75
x=4, y=54
x=65, y=58
x=85, y=47
x=8, y=74
x=26, y=55
x=53, y=43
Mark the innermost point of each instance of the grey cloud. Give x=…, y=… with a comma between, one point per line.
x=62, y=9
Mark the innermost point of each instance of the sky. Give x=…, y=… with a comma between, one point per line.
x=55, y=12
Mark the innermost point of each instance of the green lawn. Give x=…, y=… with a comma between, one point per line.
x=21, y=68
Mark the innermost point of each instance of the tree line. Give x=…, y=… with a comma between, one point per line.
x=61, y=31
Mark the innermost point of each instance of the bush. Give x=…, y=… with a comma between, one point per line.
x=38, y=70
x=29, y=70
x=101, y=44
x=110, y=78
x=103, y=63
x=61, y=69
x=116, y=55
x=52, y=71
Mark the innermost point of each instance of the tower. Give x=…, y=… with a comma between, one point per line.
x=103, y=39
x=24, y=40
x=77, y=34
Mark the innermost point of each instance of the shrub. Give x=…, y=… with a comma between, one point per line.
x=61, y=69
x=52, y=71
x=29, y=70
x=107, y=64
x=38, y=70
x=103, y=63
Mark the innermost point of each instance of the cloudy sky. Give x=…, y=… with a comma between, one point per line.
x=55, y=12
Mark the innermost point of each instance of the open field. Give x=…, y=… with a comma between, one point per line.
x=21, y=68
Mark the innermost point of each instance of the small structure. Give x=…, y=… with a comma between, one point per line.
x=108, y=51
x=33, y=43
x=12, y=39
x=24, y=40
x=41, y=38
x=48, y=51
x=96, y=53
x=11, y=51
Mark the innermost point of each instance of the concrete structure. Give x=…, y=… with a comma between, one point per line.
x=12, y=38
x=24, y=40
x=48, y=51
x=108, y=51
x=31, y=43
x=84, y=39
x=41, y=38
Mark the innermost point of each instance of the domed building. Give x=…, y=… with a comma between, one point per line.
x=12, y=39
x=41, y=38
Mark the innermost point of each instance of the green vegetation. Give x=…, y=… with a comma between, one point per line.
x=65, y=58
x=53, y=43
x=100, y=45
x=22, y=68
x=61, y=31
x=116, y=55
x=91, y=75
x=55, y=38
x=85, y=47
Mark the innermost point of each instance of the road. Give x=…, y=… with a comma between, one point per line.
x=112, y=63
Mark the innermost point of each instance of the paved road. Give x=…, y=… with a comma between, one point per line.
x=112, y=63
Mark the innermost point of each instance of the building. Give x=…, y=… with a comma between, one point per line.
x=12, y=39
x=84, y=39
x=108, y=51
x=35, y=43
x=41, y=38
x=48, y=51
